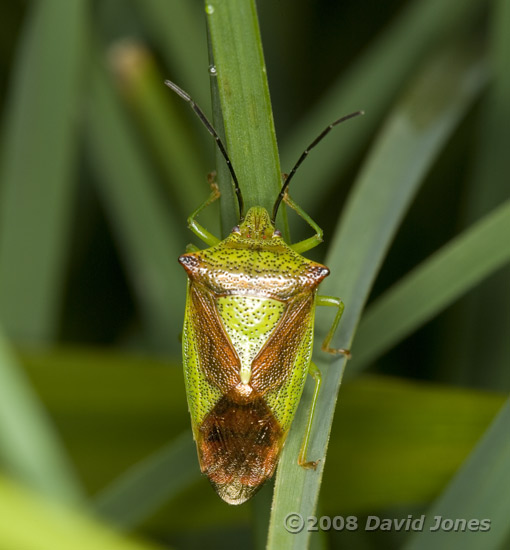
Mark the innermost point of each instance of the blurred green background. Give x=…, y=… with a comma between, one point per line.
x=100, y=166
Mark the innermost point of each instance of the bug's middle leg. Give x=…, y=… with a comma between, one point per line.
x=336, y=302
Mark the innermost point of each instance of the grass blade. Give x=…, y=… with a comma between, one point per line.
x=29, y=446
x=406, y=148
x=144, y=488
x=480, y=490
x=433, y=285
x=244, y=96
x=36, y=201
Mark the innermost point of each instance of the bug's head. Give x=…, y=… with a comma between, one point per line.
x=257, y=226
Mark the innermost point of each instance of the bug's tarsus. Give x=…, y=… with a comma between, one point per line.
x=319, y=138
x=310, y=465
x=184, y=95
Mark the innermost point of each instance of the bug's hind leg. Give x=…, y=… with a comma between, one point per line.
x=315, y=373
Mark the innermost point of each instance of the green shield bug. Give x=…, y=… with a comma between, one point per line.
x=248, y=336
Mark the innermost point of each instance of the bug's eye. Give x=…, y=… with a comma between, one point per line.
x=277, y=233
x=236, y=230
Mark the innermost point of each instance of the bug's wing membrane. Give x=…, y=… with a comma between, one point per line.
x=218, y=359
x=238, y=446
x=276, y=360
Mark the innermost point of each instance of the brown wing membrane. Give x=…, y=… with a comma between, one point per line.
x=218, y=359
x=275, y=361
x=238, y=446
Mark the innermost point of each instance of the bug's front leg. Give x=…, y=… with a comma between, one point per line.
x=336, y=302
x=199, y=230
x=311, y=242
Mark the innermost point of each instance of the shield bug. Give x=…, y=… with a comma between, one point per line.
x=248, y=336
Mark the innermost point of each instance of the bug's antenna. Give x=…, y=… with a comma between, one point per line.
x=319, y=138
x=216, y=137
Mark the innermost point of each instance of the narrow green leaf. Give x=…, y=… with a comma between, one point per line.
x=372, y=85
x=481, y=490
x=29, y=522
x=40, y=143
x=148, y=236
x=144, y=488
x=30, y=449
x=433, y=285
x=244, y=95
x=405, y=149
x=229, y=203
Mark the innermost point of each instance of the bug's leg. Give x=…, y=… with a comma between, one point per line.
x=315, y=373
x=200, y=231
x=311, y=242
x=336, y=302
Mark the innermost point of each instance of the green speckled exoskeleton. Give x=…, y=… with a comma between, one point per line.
x=248, y=337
